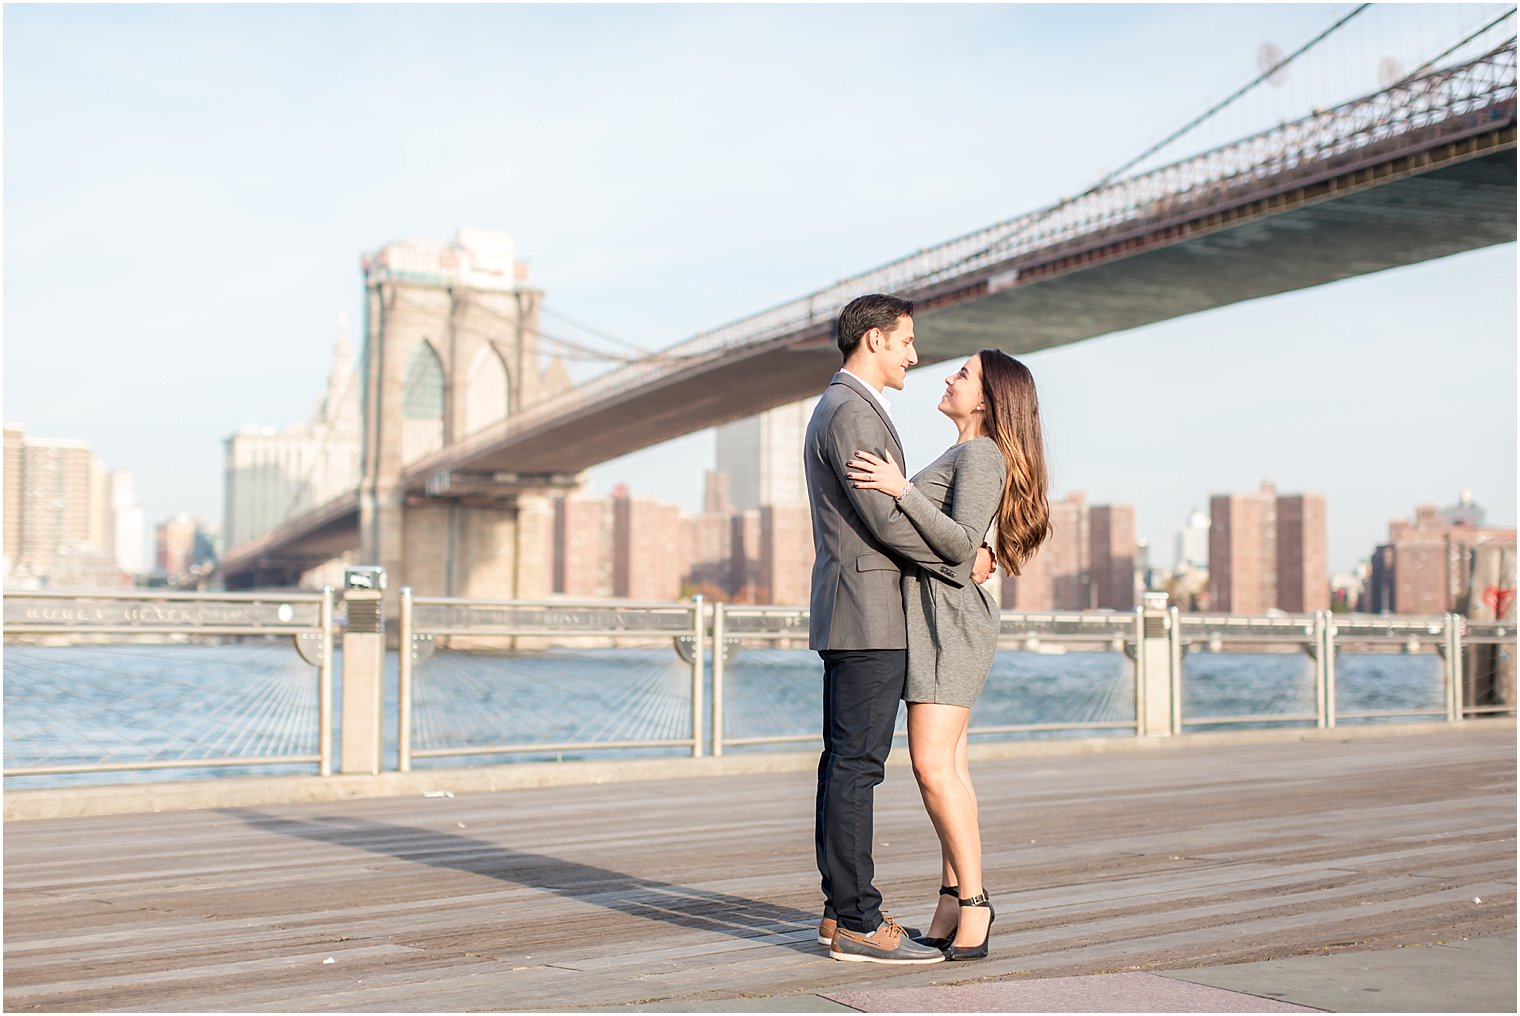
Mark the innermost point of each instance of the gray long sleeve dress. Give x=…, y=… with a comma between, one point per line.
x=952, y=631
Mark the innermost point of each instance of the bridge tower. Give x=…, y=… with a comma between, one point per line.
x=451, y=350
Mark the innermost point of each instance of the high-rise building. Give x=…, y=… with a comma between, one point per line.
x=1237, y=556
x=1111, y=556
x=1377, y=595
x=715, y=495
x=1030, y=590
x=646, y=548
x=1267, y=552
x=762, y=457
x=786, y=554
x=58, y=526
x=759, y=488
x=1426, y=565
x=128, y=533
x=175, y=542
x=1087, y=563
x=745, y=527
x=1192, y=551
x=1302, y=554
x=69, y=523
x=273, y=474
x=708, y=552
x=582, y=561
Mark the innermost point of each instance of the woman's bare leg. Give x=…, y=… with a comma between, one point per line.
x=936, y=736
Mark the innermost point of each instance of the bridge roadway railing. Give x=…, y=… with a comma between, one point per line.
x=1444, y=106
x=134, y=681
x=220, y=683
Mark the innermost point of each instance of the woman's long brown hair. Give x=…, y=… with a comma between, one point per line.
x=1012, y=420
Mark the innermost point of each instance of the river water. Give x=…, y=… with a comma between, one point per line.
x=95, y=703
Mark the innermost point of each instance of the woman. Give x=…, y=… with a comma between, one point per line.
x=995, y=470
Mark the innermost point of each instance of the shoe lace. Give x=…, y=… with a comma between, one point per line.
x=891, y=925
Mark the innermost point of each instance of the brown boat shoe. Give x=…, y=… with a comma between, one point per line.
x=889, y=943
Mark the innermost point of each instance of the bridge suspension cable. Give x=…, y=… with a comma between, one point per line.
x=1429, y=65
x=567, y=319
x=1225, y=102
x=568, y=348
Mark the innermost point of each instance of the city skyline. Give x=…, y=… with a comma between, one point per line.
x=1381, y=392
x=1262, y=551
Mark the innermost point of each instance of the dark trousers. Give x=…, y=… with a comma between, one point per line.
x=861, y=689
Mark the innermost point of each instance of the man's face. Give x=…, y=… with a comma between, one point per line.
x=896, y=353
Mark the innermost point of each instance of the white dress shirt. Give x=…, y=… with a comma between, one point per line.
x=885, y=405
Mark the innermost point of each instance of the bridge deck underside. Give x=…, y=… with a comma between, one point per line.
x=1447, y=211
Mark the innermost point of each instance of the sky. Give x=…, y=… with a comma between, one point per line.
x=188, y=191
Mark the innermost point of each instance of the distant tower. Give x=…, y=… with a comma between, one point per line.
x=128, y=524
x=272, y=475
x=1466, y=512
x=1192, y=551
x=450, y=347
x=762, y=457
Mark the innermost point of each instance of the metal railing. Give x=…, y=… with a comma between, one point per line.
x=50, y=618
x=1326, y=638
x=1219, y=633
x=461, y=658
x=425, y=622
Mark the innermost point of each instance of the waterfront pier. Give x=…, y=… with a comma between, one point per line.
x=1165, y=864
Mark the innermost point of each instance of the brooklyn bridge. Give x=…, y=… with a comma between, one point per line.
x=1420, y=170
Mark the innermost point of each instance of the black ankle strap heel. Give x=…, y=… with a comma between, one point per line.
x=949, y=890
x=974, y=952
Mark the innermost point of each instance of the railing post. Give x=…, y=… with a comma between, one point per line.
x=1153, y=666
x=1328, y=663
x=1459, y=669
x=1140, y=702
x=1174, y=641
x=363, y=669
x=1320, y=684
x=404, y=662
x=325, y=686
x=717, y=679
x=698, y=661
x=1452, y=632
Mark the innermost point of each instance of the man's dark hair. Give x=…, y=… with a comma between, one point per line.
x=860, y=315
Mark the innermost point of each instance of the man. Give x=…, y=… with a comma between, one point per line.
x=862, y=542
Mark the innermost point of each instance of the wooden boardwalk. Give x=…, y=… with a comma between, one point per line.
x=704, y=889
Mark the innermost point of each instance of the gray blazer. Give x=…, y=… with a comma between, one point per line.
x=862, y=541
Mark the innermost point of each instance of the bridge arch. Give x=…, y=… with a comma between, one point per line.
x=422, y=403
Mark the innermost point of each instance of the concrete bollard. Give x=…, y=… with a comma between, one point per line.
x=363, y=669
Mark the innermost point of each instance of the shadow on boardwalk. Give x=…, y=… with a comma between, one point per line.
x=684, y=906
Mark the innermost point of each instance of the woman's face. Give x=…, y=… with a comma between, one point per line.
x=963, y=391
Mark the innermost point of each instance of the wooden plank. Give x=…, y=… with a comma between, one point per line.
x=705, y=887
